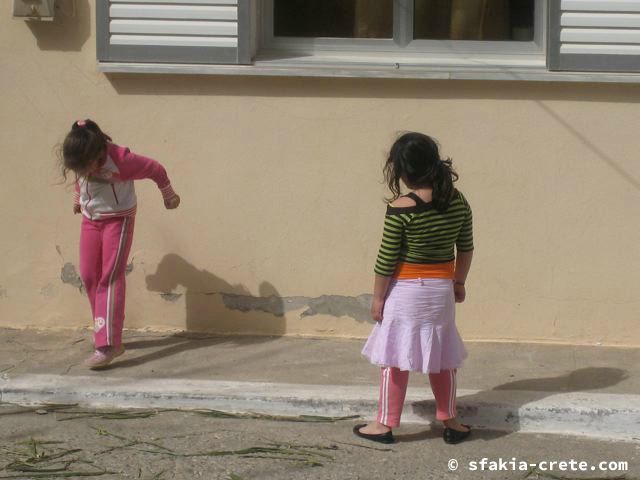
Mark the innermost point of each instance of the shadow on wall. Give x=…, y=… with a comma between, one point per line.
x=70, y=29
x=518, y=394
x=205, y=292
x=208, y=298
x=202, y=299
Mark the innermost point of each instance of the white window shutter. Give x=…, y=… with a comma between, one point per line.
x=173, y=31
x=594, y=35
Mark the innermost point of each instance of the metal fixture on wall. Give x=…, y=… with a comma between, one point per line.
x=34, y=9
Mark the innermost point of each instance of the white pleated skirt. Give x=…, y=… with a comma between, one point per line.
x=418, y=330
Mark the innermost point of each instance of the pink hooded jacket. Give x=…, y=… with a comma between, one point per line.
x=109, y=192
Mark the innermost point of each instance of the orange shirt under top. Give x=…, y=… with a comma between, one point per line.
x=406, y=271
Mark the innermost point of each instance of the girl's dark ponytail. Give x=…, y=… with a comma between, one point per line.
x=443, y=189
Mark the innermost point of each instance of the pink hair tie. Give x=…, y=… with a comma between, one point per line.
x=81, y=123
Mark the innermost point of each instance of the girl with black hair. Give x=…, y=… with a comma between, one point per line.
x=417, y=283
x=105, y=195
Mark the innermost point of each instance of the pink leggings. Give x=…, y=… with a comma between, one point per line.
x=104, y=249
x=393, y=387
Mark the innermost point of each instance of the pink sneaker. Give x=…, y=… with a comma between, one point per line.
x=103, y=356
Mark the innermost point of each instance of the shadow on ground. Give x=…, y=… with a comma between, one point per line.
x=526, y=391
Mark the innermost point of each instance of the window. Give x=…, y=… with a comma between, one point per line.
x=504, y=20
x=333, y=18
x=432, y=19
x=415, y=27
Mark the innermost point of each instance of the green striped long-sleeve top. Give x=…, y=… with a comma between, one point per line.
x=421, y=234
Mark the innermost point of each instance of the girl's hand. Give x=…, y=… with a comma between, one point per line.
x=173, y=202
x=459, y=292
x=76, y=209
x=377, y=306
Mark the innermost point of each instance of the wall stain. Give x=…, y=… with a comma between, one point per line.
x=358, y=308
x=334, y=305
x=49, y=290
x=3, y=292
x=70, y=276
x=170, y=297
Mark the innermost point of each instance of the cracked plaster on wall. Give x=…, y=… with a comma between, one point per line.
x=334, y=305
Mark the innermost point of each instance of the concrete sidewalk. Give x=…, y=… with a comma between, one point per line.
x=586, y=391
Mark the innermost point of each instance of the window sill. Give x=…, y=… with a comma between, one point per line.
x=532, y=70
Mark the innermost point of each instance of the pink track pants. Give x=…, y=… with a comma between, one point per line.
x=104, y=249
x=393, y=388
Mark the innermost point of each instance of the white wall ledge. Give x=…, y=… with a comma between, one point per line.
x=400, y=71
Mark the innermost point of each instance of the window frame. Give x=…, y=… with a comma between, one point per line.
x=402, y=44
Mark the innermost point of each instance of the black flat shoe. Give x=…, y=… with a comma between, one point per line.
x=452, y=436
x=378, y=437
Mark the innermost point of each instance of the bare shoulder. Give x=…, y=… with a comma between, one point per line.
x=403, y=202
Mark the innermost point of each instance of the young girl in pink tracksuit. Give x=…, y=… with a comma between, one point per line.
x=105, y=195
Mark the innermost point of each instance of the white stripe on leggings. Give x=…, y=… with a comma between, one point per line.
x=452, y=393
x=384, y=407
x=110, y=297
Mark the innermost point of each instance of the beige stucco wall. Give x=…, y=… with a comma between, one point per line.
x=282, y=196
